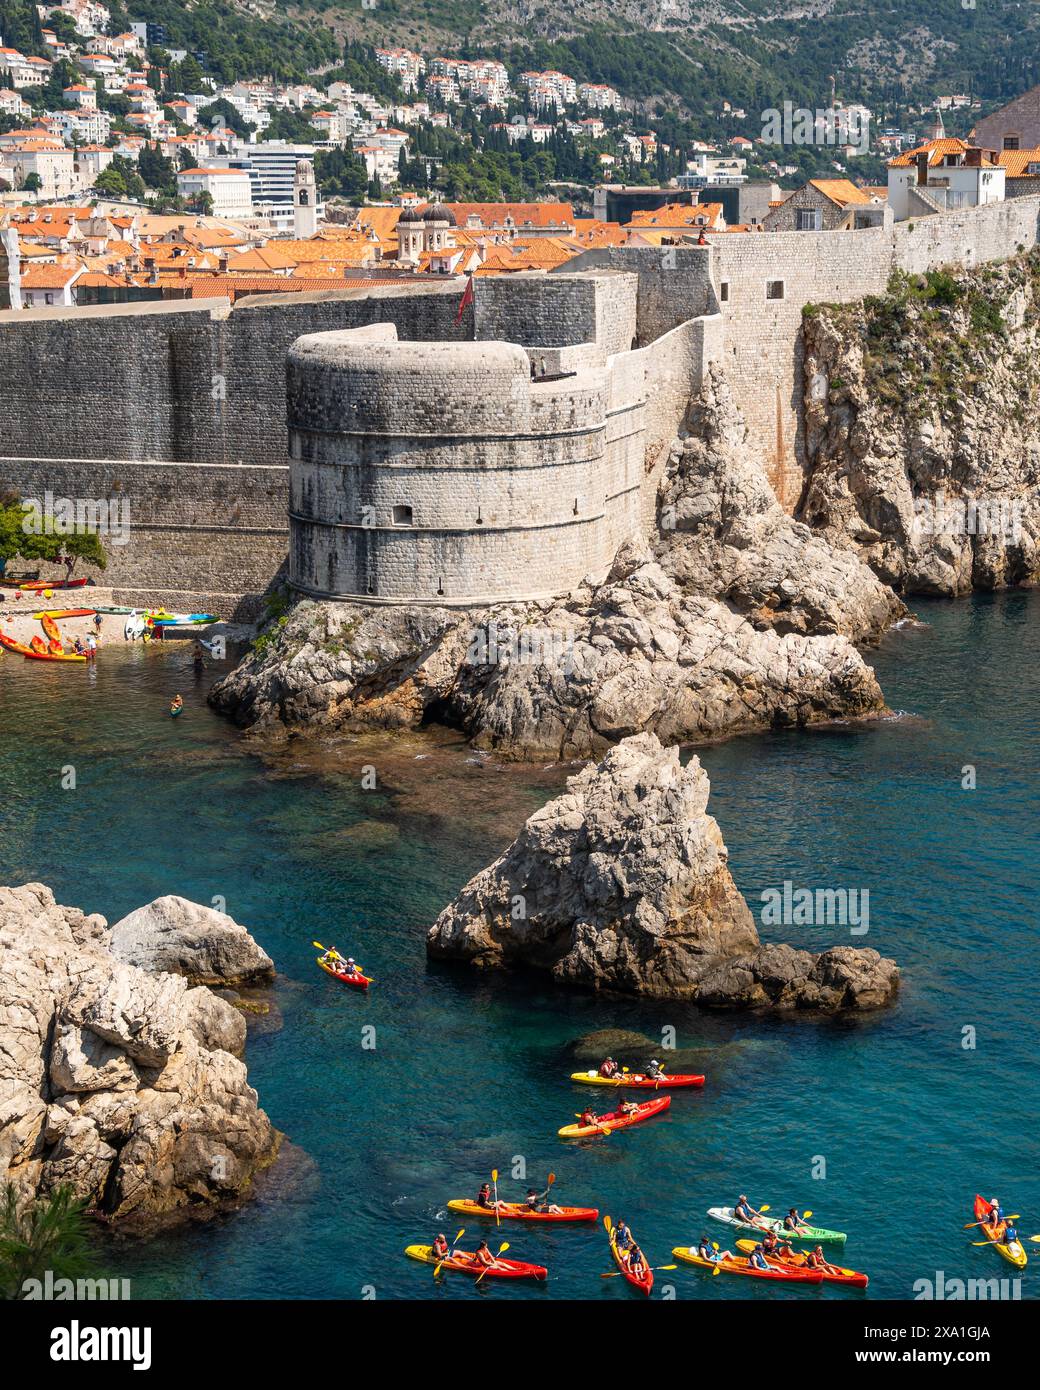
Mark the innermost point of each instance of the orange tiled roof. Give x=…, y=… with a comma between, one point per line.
x=49, y=277
x=841, y=191
x=676, y=215
x=937, y=152
x=1015, y=162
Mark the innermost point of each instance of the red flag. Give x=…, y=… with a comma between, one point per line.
x=467, y=298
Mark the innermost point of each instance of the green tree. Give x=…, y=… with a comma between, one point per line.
x=32, y=183
x=43, y=542
x=49, y=1233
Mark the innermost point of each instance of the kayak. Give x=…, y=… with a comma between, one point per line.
x=67, y=613
x=464, y=1262
x=180, y=619
x=634, y=1080
x=53, y=656
x=788, y=1276
x=50, y=627
x=35, y=584
x=517, y=1211
x=9, y=644
x=643, y=1282
x=355, y=981
x=616, y=1120
x=1012, y=1250
x=835, y=1274
x=814, y=1233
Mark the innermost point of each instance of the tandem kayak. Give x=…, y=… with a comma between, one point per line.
x=1012, y=1251
x=814, y=1233
x=465, y=1262
x=643, y=1282
x=689, y=1256
x=634, y=1080
x=355, y=981
x=516, y=1211
x=832, y=1274
x=617, y=1120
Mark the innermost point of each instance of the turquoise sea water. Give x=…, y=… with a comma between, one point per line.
x=469, y=1072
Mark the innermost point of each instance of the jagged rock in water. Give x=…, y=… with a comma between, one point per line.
x=186, y=938
x=623, y=883
x=565, y=679
x=922, y=434
x=115, y=1081
x=723, y=534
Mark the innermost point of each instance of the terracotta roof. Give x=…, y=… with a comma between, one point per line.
x=1015, y=162
x=49, y=277
x=534, y=214
x=269, y=258
x=841, y=191
x=937, y=152
x=676, y=215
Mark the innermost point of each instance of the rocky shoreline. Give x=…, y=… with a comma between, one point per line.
x=623, y=884
x=125, y=1083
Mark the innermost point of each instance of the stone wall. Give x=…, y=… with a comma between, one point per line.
x=200, y=537
x=674, y=283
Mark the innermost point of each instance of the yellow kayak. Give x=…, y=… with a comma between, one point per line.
x=1013, y=1251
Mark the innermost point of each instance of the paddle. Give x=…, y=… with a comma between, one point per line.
x=616, y=1273
x=604, y=1129
x=494, y=1179
x=437, y=1268
x=1016, y=1216
x=501, y=1251
x=1036, y=1238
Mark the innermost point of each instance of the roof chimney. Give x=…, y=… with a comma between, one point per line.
x=922, y=167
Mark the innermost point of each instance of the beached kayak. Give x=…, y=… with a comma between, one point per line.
x=465, y=1262
x=67, y=613
x=34, y=585
x=689, y=1255
x=355, y=981
x=643, y=1282
x=833, y=1274
x=53, y=656
x=814, y=1233
x=50, y=627
x=517, y=1211
x=617, y=1120
x=635, y=1080
x=1013, y=1251
x=9, y=644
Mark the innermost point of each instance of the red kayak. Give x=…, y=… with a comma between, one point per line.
x=643, y=1282
x=617, y=1119
x=36, y=584
x=832, y=1274
x=355, y=981
x=465, y=1262
x=637, y=1081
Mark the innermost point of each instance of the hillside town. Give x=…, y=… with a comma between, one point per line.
x=123, y=180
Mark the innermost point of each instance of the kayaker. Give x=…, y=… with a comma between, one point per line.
x=176, y=704
x=708, y=1251
x=622, y=1235
x=757, y=1259
x=608, y=1068
x=996, y=1211
x=655, y=1071
x=535, y=1201
x=587, y=1119
x=636, y=1263
x=770, y=1244
x=1010, y=1232
x=793, y=1222
x=745, y=1212
x=628, y=1107
x=484, y=1256
x=485, y=1199
x=440, y=1246
x=352, y=967
x=816, y=1259
x=332, y=957
x=80, y=649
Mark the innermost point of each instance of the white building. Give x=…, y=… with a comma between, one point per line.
x=550, y=88
x=943, y=175
x=599, y=96
x=228, y=188
x=407, y=66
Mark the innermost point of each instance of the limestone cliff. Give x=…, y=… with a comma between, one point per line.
x=557, y=680
x=922, y=428
x=116, y=1081
x=623, y=883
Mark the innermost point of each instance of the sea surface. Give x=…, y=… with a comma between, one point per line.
x=884, y=1127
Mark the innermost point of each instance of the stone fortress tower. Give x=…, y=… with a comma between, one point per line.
x=444, y=474
x=305, y=201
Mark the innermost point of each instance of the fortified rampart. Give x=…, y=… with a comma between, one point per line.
x=132, y=395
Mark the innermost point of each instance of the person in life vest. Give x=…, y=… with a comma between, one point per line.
x=635, y=1261
x=440, y=1246
x=587, y=1119
x=996, y=1211
x=1010, y=1235
x=708, y=1251
x=816, y=1259
x=333, y=959
x=628, y=1107
x=485, y=1199
x=608, y=1068
x=484, y=1256
x=535, y=1201
x=351, y=967
x=793, y=1222
x=770, y=1244
x=622, y=1235
x=745, y=1212
x=655, y=1071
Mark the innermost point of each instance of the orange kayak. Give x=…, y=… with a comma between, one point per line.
x=643, y=1282
x=9, y=644
x=617, y=1119
x=50, y=627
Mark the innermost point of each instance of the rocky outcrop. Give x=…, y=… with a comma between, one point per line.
x=117, y=1082
x=185, y=938
x=922, y=428
x=722, y=534
x=561, y=680
x=623, y=883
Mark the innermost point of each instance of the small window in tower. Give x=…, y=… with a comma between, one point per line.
x=774, y=289
x=724, y=292
x=304, y=199
x=402, y=515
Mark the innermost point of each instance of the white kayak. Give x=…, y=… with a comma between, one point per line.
x=814, y=1233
